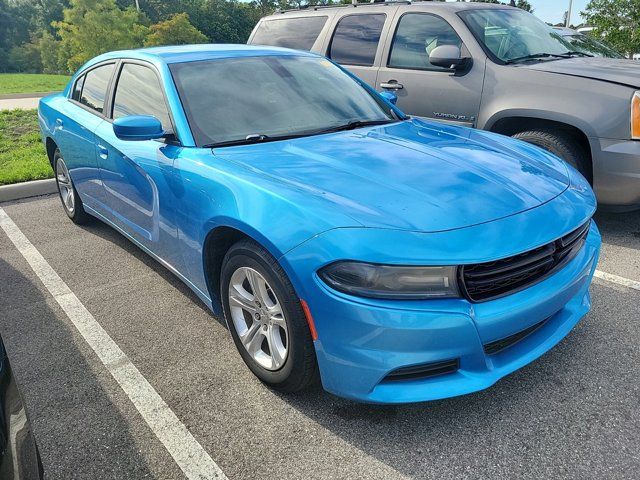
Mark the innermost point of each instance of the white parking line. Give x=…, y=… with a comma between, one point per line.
x=194, y=461
x=625, y=282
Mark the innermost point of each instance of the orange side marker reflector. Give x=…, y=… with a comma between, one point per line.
x=307, y=314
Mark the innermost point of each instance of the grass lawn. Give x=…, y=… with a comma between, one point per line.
x=31, y=83
x=22, y=154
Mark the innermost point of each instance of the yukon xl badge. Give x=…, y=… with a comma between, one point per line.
x=453, y=116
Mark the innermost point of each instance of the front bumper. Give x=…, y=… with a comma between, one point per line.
x=360, y=341
x=616, y=172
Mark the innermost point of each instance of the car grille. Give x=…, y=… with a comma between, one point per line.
x=487, y=281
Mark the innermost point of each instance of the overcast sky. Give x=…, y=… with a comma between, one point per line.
x=553, y=10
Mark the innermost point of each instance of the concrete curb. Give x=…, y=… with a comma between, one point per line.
x=27, y=189
x=15, y=96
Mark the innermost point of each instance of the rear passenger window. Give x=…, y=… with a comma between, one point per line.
x=416, y=37
x=77, y=89
x=95, y=86
x=139, y=93
x=356, y=38
x=299, y=33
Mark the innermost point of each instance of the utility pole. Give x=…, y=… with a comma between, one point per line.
x=568, y=22
x=137, y=5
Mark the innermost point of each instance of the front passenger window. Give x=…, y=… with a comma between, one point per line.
x=94, y=90
x=416, y=37
x=139, y=93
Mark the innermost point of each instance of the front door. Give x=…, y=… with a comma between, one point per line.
x=423, y=89
x=138, y=176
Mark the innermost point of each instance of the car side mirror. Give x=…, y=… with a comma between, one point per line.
x=448, y=56
x=390, y=97
x=138, y=127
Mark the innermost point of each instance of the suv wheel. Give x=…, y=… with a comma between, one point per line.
x=561, y=144
x=266, y=319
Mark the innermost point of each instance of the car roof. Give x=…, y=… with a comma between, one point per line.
x=192, y=53
x=417, y=4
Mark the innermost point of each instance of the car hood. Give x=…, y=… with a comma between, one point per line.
x=413, y=175
x=614, y=70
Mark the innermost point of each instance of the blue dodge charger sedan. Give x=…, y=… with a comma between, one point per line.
x=394, y=259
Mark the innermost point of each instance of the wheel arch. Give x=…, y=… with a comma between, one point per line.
x=219, y=238
x=50, y=146
x=512, y=124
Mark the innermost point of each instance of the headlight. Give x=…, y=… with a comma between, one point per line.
x=391, y=281
x=635, y=116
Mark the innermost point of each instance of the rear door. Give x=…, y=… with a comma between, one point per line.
x=76, y=123
x=138, y=176
x=424, y=89
x=356, y=40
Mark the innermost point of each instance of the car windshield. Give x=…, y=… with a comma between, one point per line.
x=249, y=99
x=513, y=35
x=586, y=44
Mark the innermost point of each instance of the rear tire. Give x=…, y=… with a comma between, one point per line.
x=71, y=201
x=562, y=144
x=266, y=319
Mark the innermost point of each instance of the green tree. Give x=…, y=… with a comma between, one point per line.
x=617, y=22
x=178, y=30
x=50, y=57
x=92, y=27
x=25, y=58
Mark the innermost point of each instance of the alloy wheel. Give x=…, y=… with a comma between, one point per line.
x=258, y=318
x=65, y=186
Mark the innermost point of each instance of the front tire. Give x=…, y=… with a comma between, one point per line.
x=265, y=318
x=561, y=144
x=71, y=201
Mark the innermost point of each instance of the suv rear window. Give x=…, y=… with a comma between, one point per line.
x=356, y=38
x=299, y=33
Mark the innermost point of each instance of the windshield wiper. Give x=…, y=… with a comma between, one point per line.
x=259, y=138
x=253, y=138
x=575, y=52
x=533, y=56
x=353, y=124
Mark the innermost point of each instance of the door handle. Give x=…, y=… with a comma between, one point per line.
x=59, y=123
x=103, y=152
x=392, y=85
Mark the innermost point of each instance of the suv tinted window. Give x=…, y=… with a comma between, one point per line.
x=300, y=33
x=95, y=86
x=416, y=37
x=355, y=40
x=139, y=93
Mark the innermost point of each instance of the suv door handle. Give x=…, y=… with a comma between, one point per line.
x=392, y=85
x=59, y=123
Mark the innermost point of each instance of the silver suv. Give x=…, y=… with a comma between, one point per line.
x=487, y=66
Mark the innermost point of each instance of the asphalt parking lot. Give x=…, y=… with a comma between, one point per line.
x=574, y=413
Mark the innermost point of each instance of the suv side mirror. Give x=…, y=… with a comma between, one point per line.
x=448, y=56
x=390, y=97
x=138, y=127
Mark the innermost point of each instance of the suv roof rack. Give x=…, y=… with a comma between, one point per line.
x=354, y=3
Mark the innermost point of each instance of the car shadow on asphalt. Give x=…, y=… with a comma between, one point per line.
x=620, y=229
x=78, y=429
x=551, y=419
x=106, y=232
